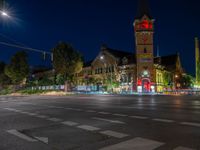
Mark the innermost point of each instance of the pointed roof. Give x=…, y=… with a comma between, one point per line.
x=143, y=9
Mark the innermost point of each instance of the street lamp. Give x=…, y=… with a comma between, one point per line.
x=4, y=13
x=102, y=58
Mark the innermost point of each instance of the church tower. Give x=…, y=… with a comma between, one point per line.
x=144, y=31
x=197, y=60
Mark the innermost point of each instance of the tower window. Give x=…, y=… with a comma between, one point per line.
x=145, y=50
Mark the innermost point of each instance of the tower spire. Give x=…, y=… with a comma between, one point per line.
x=197, y=59
x=143, y=9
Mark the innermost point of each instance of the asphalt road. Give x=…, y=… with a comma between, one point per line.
x=100, y=123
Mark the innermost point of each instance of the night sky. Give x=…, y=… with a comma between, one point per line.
x=87, y=24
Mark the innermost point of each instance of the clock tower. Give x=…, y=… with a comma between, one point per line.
x=144, y=31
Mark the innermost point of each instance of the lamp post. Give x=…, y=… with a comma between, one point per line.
x=102, y=58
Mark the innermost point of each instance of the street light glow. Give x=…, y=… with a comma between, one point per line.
x=4, y=13
x=102, y=57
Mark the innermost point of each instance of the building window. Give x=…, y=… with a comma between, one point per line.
x=145, y=50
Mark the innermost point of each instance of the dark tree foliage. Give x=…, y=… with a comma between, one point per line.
x=4, y=79
x=18, y=69
x=66, y=60
x=198, y=72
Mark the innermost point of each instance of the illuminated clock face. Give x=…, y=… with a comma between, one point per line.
x=145, y=25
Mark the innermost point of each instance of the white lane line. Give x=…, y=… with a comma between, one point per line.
x=91, y=111
x=163, y=120
x=88, y=128
x=135, y=144
x=108, y=120
x=104, y=113
x=183, y=148
x=70, y=123
x=10, y=109
x=42, y=116
x=54, y=119
x=32, y=114
x=22, y=136
x=120, y=115
x=43, y=139
x=139, y=117
x=191, y=124
x=114, y=134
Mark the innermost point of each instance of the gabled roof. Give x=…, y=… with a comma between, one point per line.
x=118, y=53
x=88, y=63
x=143, y=9
x=169, y=62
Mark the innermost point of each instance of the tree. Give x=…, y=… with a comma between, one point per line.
x=66, y=60
x=18, y=69
x=186, y=81
x=4, y=79
x=198, y=72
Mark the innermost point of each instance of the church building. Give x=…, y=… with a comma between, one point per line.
x=120, y=71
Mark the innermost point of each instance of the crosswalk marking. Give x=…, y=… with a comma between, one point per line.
x=42, y=116
x=163, y=120
x=191, y=124
x=183, y=148
x=108, y=120
x=120, y=115
x=70, y=123
x=139, y=117
x=135, y=144
x=88, y=128
x=54, y=119
x=114, y=134
x=22, y=136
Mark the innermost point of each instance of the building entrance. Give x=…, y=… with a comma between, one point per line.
x=146, y=86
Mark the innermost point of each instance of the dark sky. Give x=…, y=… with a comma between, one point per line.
x=87, y=24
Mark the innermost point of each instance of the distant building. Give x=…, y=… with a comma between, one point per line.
x=116, y=70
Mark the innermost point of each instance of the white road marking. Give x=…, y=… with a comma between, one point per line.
x=22, y=136
x=43, y=139
x=104, y=113
x=10, y=109
x=139, y=117
x=24, y=112
x=191, y=124
x=135, y=144
x=114, y=134
x=108, y=120
x=42, y=116
x=54, y=119
x=15, y=110
x=70, y=123
x=88, y=128
x=163, y=120
x=183, y=148
x=32, y=114
x=120, y=115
